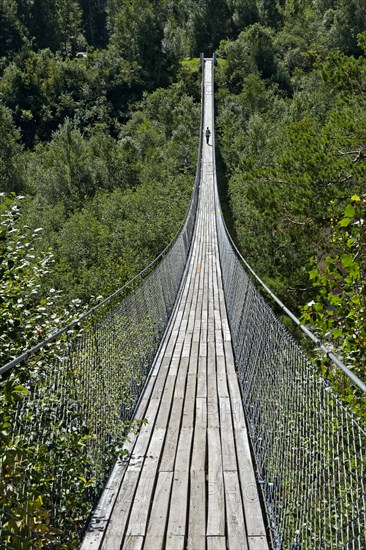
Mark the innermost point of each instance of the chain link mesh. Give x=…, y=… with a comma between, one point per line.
x=83, y=388
x=76, y=398
x=309, y=447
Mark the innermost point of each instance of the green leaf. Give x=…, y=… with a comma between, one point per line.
x=20, y=389
x=347, y=260
x=345, y=222
x=355, y=198
x=350, y=211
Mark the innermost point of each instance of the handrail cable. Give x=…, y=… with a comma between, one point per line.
x=74, y=401
x=91, y=311
x=308, y=441
x=77, y=321
x=353, y=377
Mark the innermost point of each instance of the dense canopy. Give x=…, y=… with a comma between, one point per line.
x=99, y=122
x=99, y=113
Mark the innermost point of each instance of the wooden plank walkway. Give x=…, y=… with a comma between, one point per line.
x=189, y=481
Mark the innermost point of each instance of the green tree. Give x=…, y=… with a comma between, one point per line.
x=243, y=13
x=94, y=17
x=270, y=13
x=43, y=89
x=253, y=52
x=28, y=315
x=12, y=35
x=23, y=90
x=54, y=25
x=70, y=169
x=338, y=309
x=137, y=32
x=11, y=172
x=342, y=23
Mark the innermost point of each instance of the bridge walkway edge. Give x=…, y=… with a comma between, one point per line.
x=188, y=481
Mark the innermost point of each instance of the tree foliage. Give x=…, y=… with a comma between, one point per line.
x=103, y=149
x=11, y=162
x=339, y=311
x=291, y=116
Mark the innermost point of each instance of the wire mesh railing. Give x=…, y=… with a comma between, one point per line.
x=309, y=447
x=67, y=402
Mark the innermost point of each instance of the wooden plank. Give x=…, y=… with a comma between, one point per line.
x=175, y=360
x=202, y=377
x=211, y=353
x=217, y=315
x=139, y=514
x=197, y=511
x=222, y=387
x=210, y=334
x=258, y=543
x=226, y=331
x=170, y=444
x=155, y=448
x=216, y=543
x=184, y=450
x=201, y=413
x=131, y=543
x=171, y=344
x=213, y=419
x=189, y=402
x=183, y=326
x=160, y=378
x=187, y=345
x=180, y=386
x=196, y=331
x=193, y=360
x=237, y=537
x=234, y=390
x=251, y=502
x=227, y=436
x=231, y=372
x=199, y=450
x=216, y=500
x=192, y=311
x=203, y=341
x=165, y=402
x=238, y=414
x=139, y=451
x=118, y=522
x=157, y=522
x=219, y=343
x=173, y=543
x=178, y=505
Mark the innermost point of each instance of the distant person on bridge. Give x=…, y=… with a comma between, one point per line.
x=207, y=134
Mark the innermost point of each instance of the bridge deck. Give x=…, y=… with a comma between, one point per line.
x=189, y=480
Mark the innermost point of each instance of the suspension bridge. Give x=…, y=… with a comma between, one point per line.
x=242, y=444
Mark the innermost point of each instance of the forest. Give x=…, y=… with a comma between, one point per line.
x=99, y=118
x=99, y=130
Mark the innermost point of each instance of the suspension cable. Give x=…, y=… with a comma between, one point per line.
x=332, y=357
x=141, y=275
